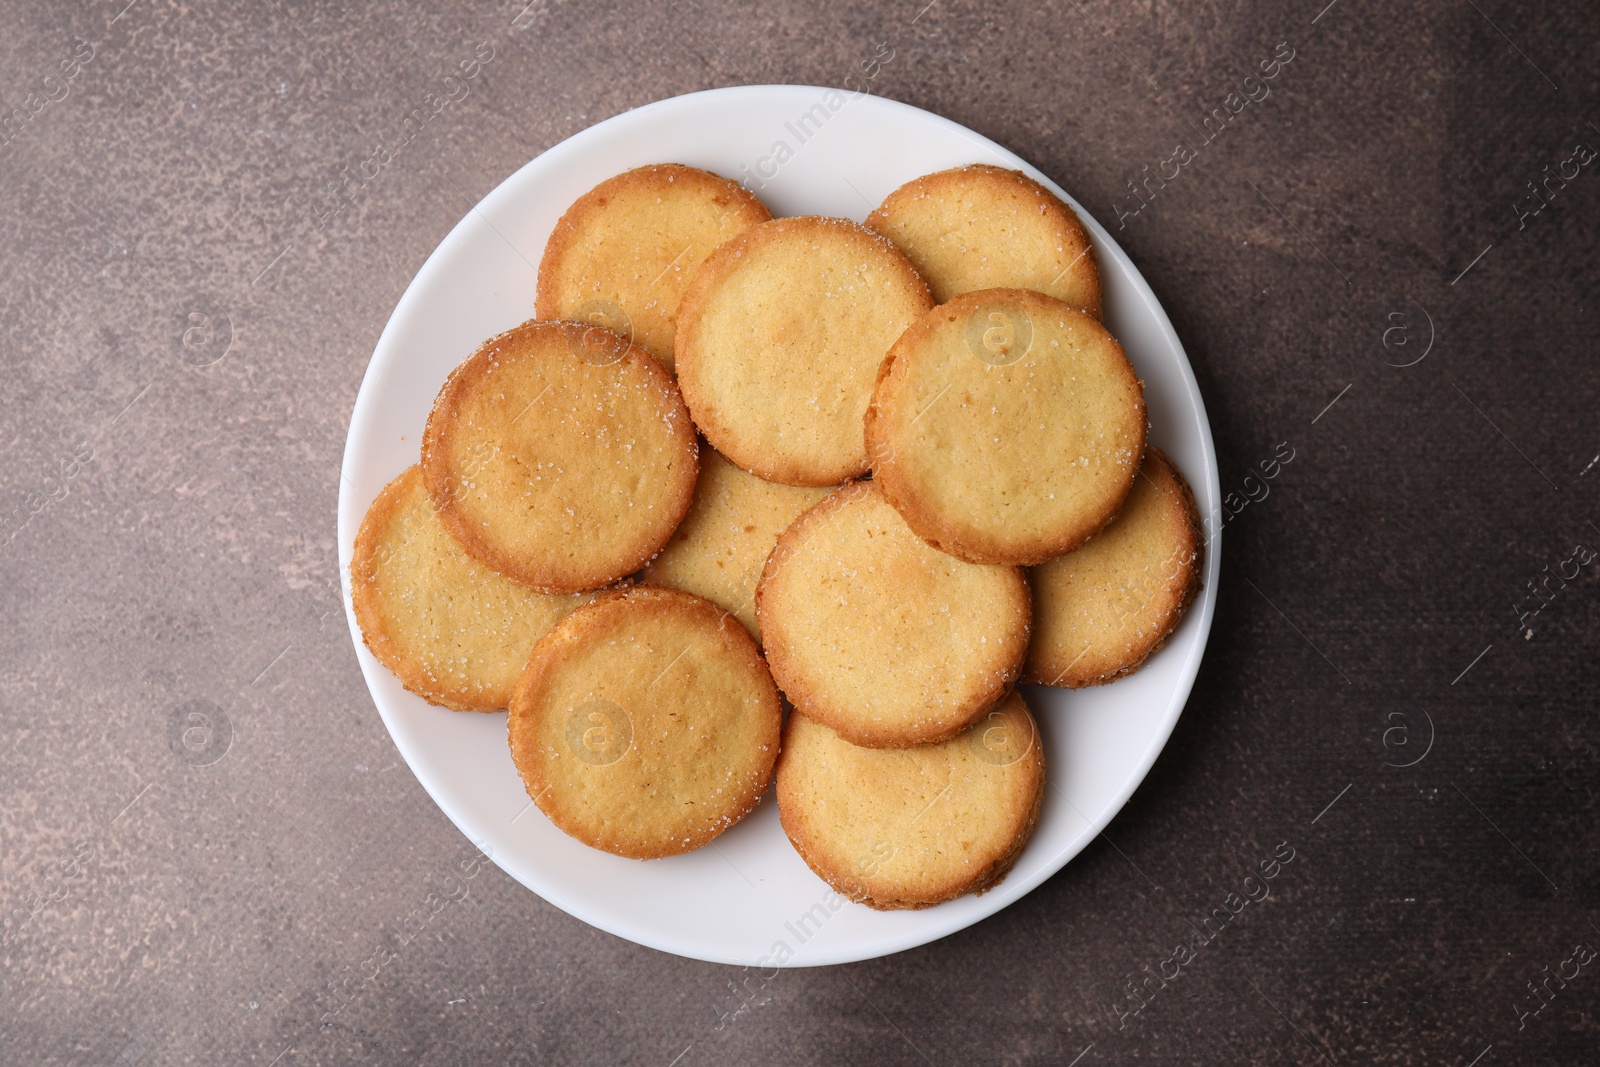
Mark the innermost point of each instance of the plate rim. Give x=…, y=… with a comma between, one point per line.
x=1202, y=612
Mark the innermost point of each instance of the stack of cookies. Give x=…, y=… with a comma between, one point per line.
x=884, y=471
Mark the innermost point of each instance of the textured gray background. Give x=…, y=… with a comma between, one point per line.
x=261, y=894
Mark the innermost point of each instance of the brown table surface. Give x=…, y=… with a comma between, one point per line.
x=168, y=538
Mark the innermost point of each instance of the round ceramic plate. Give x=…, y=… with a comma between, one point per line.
x=747, y=898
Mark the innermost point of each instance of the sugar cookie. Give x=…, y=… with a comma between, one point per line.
x=645, y=723
x=779, y=341
x=625, y=251
x=560, y=455
x=885, y=639
x=984, y=227
x=913, y=827
x=1006, y=427
x=455, y=632
x=1100, y=610
x=722, y=544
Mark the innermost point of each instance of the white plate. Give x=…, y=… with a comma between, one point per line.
x=748, y=893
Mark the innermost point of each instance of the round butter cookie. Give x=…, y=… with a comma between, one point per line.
x=455, y=632
x=722, y=544
x=779, y=341
x=1100, y=610
x=625, y=251
x=913, y=827
x=986, y=227
x=1006, y=427
x=560, y=455
x=887, y=640
x=645, y=723
x=983, y=227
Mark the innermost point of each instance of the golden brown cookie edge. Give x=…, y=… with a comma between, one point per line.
x=1039, y=671
x=564, y=640
x=686, y=357
x=777, y=651
x=931, y=527
x=564, y=235
x=857, y=890
x=929, y=184
x=373, y=622
x=437, y=435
